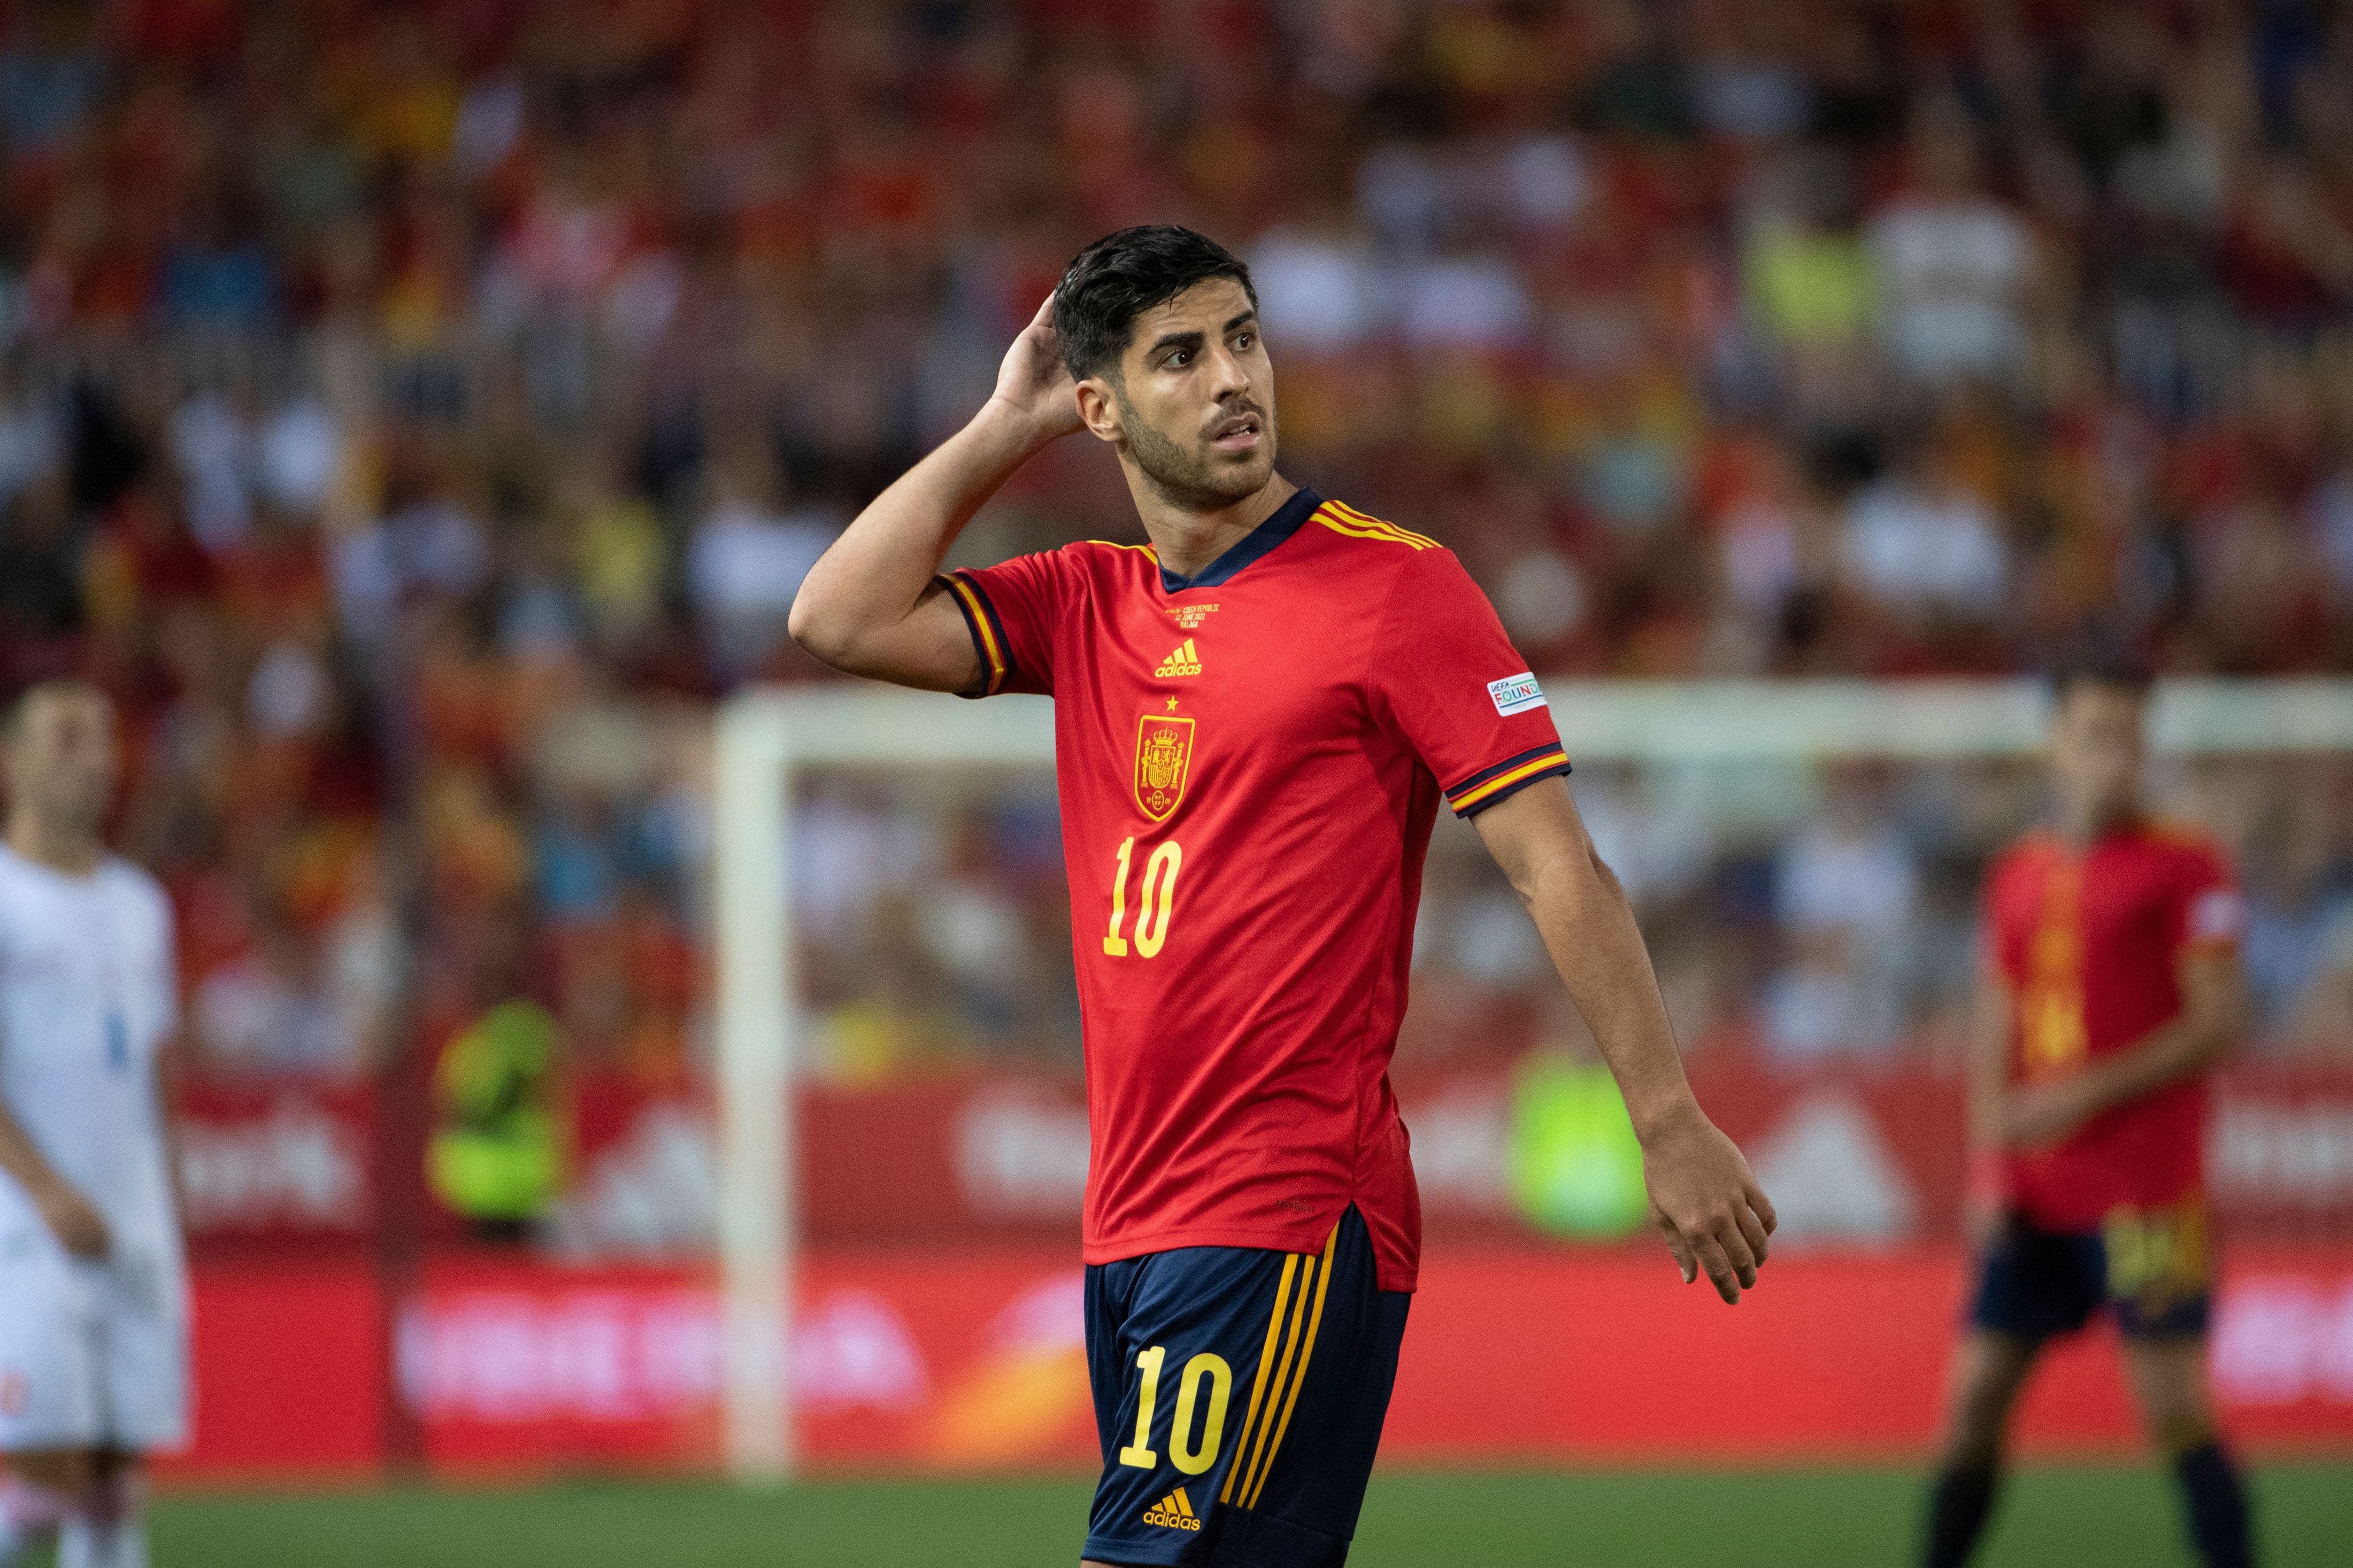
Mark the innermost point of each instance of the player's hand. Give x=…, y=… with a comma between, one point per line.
x=1034, y=386
x=1706, y=1203
x=2042, y=1114
x=78, y=1227
x=1981, y=1220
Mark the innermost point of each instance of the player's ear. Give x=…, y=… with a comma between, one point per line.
x=1099, y=407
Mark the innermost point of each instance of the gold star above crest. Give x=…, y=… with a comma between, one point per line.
x=1172, y=705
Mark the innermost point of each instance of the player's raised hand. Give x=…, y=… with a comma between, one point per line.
x=1035, y=384
x=78, y=1227
x=1707, y=1203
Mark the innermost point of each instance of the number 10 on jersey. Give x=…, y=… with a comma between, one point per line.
x=1154, y=900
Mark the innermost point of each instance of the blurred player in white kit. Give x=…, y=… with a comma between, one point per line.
x=93, y=1284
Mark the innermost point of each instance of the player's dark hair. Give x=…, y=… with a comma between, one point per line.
x=1122, y=275
x=19, y=702
x=2100, y=661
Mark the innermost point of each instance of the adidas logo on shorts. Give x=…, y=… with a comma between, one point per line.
x=1173, y=1511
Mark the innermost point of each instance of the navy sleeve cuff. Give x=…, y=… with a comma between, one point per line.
x=988, y=640
x=1506, y=779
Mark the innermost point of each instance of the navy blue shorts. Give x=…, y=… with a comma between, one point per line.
x=1239, y=1396
x=2149, y=1266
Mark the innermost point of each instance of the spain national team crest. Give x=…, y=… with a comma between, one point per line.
x=1164, y=760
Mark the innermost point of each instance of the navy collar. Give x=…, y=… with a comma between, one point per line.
x=1287, y=521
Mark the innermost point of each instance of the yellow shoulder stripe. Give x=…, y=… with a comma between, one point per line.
x=1355, y=516
x=1357, y=525
x=2181, y=830
x=1339, y=524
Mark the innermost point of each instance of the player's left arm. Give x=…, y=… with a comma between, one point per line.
x=2212, y=1020
x=167, y=1123
x=172, y=1054
x=1703, y=1198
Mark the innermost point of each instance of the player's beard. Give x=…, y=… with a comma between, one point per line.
x=76, y=808
x=1192, y=477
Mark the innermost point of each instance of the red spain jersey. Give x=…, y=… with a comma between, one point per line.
x=2091, y=945
x=1250, y=761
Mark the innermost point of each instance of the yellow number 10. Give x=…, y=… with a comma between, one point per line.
x=1153, y=903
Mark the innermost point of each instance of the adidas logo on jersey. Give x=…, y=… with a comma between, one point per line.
x=1185, y=660
x=1173, y=1511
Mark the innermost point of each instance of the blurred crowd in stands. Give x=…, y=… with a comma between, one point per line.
x=1813, y=914
x=417, y=415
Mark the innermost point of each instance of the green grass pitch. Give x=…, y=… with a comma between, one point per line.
x=2063, y=1517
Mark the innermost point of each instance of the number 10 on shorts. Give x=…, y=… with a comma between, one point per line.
x=1183, y=1452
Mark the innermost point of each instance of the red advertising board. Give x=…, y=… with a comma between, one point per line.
x=510, y=1363
x=1851, y=1158
x=927, y=1360
x=289, y=1371
x=938, y=1324
x=277, y=1160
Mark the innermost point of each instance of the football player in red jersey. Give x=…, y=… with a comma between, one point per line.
x=1256, y=717
x=2111, y=987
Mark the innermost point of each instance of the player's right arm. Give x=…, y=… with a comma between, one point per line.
x=1987, y=1074
x=873, y=605
x=79, y=1226
x=2208, y=916
x=2212, y=1020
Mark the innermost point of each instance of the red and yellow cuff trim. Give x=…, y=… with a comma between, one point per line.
x=1485, y=787
x=989, y=638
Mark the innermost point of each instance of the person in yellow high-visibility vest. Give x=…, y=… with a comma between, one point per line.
x=1575, y=1166
x=498, y=1151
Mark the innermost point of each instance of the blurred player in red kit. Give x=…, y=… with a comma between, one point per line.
x=1256, y=716
x=2111, y=987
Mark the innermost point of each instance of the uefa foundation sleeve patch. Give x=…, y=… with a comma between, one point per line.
x=1515, y=693
x=2218, y=914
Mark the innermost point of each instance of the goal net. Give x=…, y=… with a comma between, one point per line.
x=1803, y=855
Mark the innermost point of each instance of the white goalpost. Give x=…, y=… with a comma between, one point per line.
x=764, y=737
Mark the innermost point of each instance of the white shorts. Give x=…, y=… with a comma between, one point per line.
x=92, y=1354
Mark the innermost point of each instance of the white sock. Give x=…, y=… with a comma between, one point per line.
x=110, y=1532
x=103, y=1544
x=79, y=1543
x=29, y=1516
